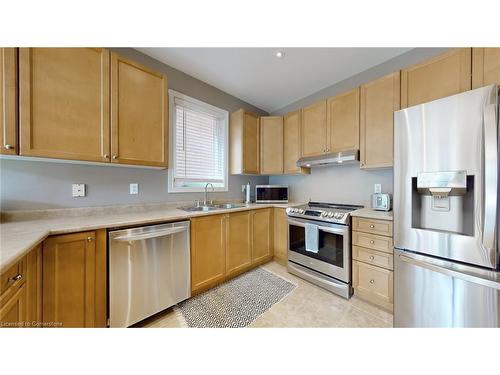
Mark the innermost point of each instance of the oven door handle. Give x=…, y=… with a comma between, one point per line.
x=342, y=231
x=297, y=223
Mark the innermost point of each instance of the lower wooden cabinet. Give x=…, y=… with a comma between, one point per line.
x=373, y=284
x=280, y=235
x=223, y=246
x=13, y=309
x=74, y=280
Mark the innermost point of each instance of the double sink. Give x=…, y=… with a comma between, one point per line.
x=210, y=207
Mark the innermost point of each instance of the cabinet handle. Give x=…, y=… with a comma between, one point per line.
x=105, y=156
x=17, y=277
x=372, y=242
x=115, y=157
x=372, y=281
x=372, y=226
x=9, y=147
x=90, y=239
x=372, y=257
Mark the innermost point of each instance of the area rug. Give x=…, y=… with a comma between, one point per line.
x=237, y=302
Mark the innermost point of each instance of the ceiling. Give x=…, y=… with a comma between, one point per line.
x=258, y=77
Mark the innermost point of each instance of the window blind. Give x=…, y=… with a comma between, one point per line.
x=199, y=145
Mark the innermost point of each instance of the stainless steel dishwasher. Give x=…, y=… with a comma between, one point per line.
x=149, y=271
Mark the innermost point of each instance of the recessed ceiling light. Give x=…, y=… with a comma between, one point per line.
x=280, y=54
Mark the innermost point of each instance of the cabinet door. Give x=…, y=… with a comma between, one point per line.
x=251, y=144
x=313, y=129
x=239, y=242
x=34, y=285
x=379, y=100
x=208, y=251
x=70, y=281
x=139, y=114
x=343, y=122
x=13, y=309
x=262, y=236
x=485, y=67
x=280, y=234
x=271, y=145
x=8, y=101
x=373, y=284
x=64, y=103
x=441, y=76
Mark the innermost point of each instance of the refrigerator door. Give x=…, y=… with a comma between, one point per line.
x=445, y=177
x=434, y=293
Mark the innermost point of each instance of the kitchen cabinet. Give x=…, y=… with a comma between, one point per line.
x=13, y=297
x=34, y=285
x=313, y=129
x=244, y=143
x=372, y=265
x=8, y=102
x=280, y=235
x=208, y=251
x=64, y=103
x=271, y=145
x=343, y=122
x=291, y=143
x=239, y=242
x=74, y=280
x=379, y=100
x=262, y=234
x=435, y=78
x=139, y=114
x=485, y=67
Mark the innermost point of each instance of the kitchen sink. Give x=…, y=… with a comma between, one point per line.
x=211, y=207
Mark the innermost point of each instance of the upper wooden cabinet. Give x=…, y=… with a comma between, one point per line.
x=441, y=76
x=271, y=145
x=379, y=100
x=64, y=103
x=485, y=67
x=139, y=114
x=291, y=143
x=8, y=102
x=343, y=122
x=74, y=280
x=244, y=143
x=314, y=129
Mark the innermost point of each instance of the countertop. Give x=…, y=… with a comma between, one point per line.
x=22, y=231
x=373, y=214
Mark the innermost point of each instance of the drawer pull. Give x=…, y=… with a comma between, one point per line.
x=372, y=257
x=372, y=281
x=16, y=278
x=372, y=226
x=372, y=242
x=90, y=239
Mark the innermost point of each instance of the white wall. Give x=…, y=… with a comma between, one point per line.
x=336, y=184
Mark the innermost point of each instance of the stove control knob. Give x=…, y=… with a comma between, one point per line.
x=288, y=210
x=330, y=214
x=323, y=214
x=339, y=215
x=301, y=211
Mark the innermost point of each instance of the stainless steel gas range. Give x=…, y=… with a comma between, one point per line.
x=319, y=245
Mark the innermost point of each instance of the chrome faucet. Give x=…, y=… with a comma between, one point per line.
x=205, y=202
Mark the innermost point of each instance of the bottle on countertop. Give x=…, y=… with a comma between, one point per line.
x=247, y=193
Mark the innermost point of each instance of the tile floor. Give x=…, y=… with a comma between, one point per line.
x=307, y=306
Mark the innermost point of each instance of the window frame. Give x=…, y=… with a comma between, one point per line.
x=220, y=113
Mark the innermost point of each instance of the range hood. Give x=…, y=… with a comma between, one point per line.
x=333, y=158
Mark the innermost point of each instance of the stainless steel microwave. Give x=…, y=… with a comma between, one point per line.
x=271, y=194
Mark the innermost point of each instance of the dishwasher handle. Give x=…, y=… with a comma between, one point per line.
x=154, y=234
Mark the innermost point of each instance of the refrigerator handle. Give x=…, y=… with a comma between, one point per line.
x=490, y=176
x=450, y=272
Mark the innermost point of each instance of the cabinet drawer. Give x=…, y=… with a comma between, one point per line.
x=12, y=278
x=373, y=284
x=382, y=227
x=372, y=241
x=374, y=257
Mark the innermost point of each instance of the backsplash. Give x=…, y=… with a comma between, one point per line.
x=336, y=184
x=32, y=185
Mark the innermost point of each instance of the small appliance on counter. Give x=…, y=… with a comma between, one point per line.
x=271, y=194
x=381, y=202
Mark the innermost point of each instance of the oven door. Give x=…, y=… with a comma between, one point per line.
x=334, y=248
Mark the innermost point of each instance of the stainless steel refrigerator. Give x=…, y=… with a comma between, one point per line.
x=446, y=258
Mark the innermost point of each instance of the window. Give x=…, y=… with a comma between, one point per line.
x=198, y=145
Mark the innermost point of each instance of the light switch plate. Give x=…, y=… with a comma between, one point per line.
x=377, y=188
x=134, y=188
x=78, y=190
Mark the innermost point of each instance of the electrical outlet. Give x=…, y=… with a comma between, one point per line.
x=134, y=188
x=78, y=190
x=377, y=188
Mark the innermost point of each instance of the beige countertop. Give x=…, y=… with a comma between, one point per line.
x=373, y=214
x=22, y=231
